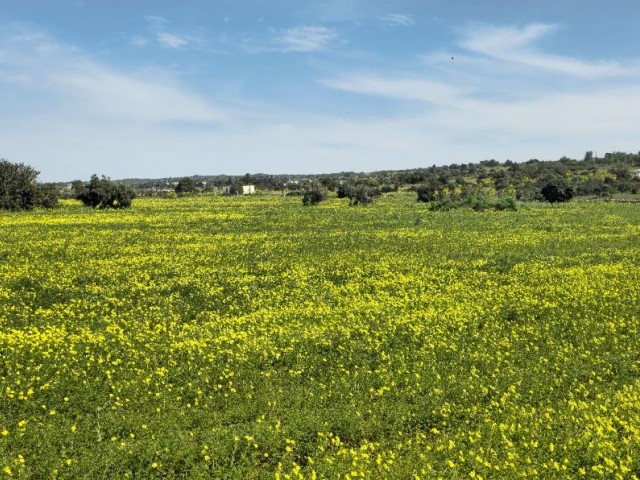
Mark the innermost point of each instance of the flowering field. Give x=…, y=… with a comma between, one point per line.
x=256, y=338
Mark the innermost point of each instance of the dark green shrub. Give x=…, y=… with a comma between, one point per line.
x=388, y=188
x=185, y=185
x=313, y=196
x=345, y=190
x=358, y=194
x=362, y=195
x=557, y=190
x=47, y=196
x=104, y=193
x=443, y=204
x=426, y=193
x=506, y=203
x=478, y=203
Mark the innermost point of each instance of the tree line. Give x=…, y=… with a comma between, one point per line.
x=445, y=186
x=19, y=190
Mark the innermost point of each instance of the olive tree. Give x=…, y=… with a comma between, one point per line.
x=313, y=196
x=19, y=190
x=104, y=193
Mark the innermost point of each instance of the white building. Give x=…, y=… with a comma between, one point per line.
x=246, y=189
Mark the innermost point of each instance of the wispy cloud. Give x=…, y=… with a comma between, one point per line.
x=139, y=41
x=517, y=45
x=159, y=28
x=506, y=93
x=300, y=39
x=171, y=40
x=89, y=88
x=112, y=94
x=406, y=88
x=69, y=112
x=500, y=64
x=304, y=39
x=398, y=20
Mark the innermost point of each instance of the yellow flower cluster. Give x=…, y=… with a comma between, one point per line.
x=252, y=337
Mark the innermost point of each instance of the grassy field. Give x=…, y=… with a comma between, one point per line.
x=256, y=338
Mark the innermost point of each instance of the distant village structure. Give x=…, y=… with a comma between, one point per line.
x=246, y=190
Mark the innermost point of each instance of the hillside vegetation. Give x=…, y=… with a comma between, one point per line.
x=614, y=174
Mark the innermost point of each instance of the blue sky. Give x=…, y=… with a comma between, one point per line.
x=164, y=88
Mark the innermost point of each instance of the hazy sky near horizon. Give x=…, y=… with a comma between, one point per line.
x=157, y=88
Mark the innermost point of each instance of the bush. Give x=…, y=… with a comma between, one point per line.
x=558, y=190
x=47, y=196
x=444, y=204
x=313, y=196
x=185, y=185
x=345, y=191
x=478, y=202
x=506, y=203
x=388, y=188
x=358, y=194
x=426, y=193
x=234, y=189
x=104, y=193
x=363, y=195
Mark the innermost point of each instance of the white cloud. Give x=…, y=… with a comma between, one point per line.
x=407, y=88
x=517, y=45
x=70, y=115
x=117, y=95
x=484, y=104
x=158, y=26
x=398, y=20
x=97, y=91
x=171, y=40
x=304, y=39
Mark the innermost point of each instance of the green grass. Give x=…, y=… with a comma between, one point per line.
x=252, y=337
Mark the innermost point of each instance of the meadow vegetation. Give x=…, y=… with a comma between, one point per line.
x=254, y=337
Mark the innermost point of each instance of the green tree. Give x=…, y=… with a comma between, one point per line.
x=557, y=190
x=428, y=191
x=19, y=190
x=330, y=183
x=235, y=188
x=345, y=190
x=186, y=185
x=313, y=196
x=363, y=195
x=104, y=193
x=47, y=195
